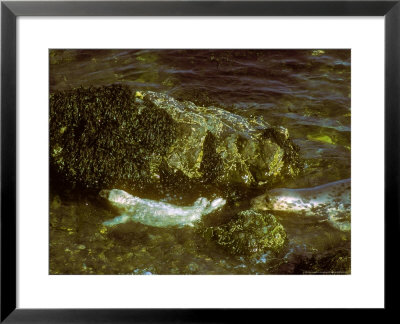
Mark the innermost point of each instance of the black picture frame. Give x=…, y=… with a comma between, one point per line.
x=10, y=10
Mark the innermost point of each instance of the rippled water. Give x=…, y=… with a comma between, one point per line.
x=306, y=91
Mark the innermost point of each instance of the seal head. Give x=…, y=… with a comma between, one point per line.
x=331, y=201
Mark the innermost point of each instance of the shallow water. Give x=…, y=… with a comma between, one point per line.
x=306, y=91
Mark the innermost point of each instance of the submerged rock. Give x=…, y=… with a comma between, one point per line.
x=334, y=261
x=116, y=137
x=249, y=233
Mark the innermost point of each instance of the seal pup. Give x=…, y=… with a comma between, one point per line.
x=156, y=213
x=331, y=202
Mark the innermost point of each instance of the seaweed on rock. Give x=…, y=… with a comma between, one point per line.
x=102, y=137
x=249, y=233
x=291, y=157
x=113, y=136
x=211, y=164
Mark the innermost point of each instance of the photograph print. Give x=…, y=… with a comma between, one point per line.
x=200, y=162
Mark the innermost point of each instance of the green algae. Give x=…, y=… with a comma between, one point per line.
x=317, y=52
x=147, y=57
x=320, y=138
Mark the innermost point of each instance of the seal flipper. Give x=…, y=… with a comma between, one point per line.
x=117, y=220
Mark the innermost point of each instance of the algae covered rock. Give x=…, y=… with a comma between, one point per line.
x=114, y=136
x=249, y=233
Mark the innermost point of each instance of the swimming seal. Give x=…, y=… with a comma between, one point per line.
x=331, y=201
x=155, y=213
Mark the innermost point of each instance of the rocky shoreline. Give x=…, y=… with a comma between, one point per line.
x=116, y=137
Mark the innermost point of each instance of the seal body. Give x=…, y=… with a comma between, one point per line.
x=156, y=213
x=331, y=201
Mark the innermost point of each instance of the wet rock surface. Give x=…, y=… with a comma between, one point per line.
x=114, y=137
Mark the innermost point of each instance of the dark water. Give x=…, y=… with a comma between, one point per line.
x=306, y=91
